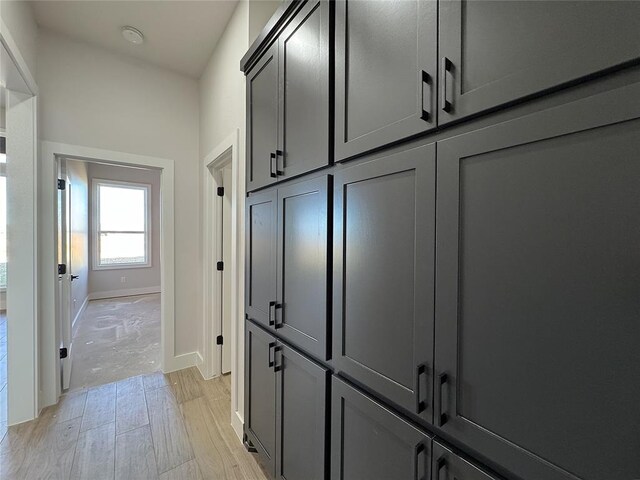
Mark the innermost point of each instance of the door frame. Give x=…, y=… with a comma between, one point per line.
x=50, y=322
x=210, y=365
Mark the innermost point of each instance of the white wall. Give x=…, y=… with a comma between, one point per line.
x=18, y=17
x=103, y=282
x=79, y=219
x=93, y=98
x=259, y=14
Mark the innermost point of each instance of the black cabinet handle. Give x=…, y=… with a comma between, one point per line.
x=441, y=464
x=279, y=154
x=420, y=404
x=272, y=306
x=272, y=161
x=74, y=277
x=426, y=95
x=277, y=365
x=271, y=358
x=444, y=68
x=278, y=324
x=420, y=450
x=442, y=417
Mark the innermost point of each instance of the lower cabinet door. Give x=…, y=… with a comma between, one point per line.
x=260, y=393
x=301, y=416
x=537, y=295
x=383, y=271
x=370, y=442
x=449, y=466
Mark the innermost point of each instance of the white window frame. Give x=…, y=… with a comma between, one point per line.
x=95, y=227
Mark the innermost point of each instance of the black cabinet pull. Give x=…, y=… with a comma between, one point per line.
x=277, y=364
x=441, y=464
x=277, y=324
x=271, y=358
x=444, y=68
x=420, y=404
x=442, y=417
x=272, y=161
x=279, y=154
x=272, y=305
x=420, y=450
x=426, y=95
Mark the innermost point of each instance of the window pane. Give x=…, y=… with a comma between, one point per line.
x=122, y=209
x=122, y=248
x=3, y=232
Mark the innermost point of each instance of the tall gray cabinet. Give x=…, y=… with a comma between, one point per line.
x=442, y=229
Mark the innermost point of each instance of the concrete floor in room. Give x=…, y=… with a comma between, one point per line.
x=116, y=338
x=154, y=426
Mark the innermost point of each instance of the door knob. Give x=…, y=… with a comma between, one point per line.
x=74, y=277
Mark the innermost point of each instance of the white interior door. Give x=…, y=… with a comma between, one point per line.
x=226, y=273
x=64, y=275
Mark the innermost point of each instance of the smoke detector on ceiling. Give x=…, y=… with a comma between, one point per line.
x=132, y=35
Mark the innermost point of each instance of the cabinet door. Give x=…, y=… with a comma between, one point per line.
x=449, y=466
x=262, y=120
x=303, y=280
x=302, y=412
x=385, y=70
x=369, y=441
x=383, y=275
x=495, y=52
x=537, y=290
x=260, y=257
x=260, y=393
x=304, y=91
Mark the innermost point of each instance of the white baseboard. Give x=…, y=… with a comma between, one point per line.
x=237, y=424
x=180, y=362
x=79, y=314
x=129, y=292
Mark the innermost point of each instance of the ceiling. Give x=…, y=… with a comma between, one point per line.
x=179, y=35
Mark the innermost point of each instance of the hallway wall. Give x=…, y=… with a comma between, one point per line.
x=94, y=98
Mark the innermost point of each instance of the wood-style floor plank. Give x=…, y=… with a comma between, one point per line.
x=131, y=407
x=100, y=408
x=135, y=456
x=154, y=380
x=170, y=438
x=186, y=471
x=185, y=384
x=71, y=405
x=95, y=454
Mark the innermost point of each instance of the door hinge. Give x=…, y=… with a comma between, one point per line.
x=220, y=266
x=62, y=269
x=63, y=352
x=62, y=184
x=219, y=340
x=221, y=191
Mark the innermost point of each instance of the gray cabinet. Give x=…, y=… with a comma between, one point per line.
x=449, y=466
x=385, y=73
x=304, y=91
x=538, y=273
x=301, y=412
x=285, y=407
x=495, y=52
x=260, y=257
x=369, y=441
x=262, y=120
x=260, y=393
x=384, y=220
x=302, y=315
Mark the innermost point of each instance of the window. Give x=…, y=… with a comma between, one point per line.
x=121, y=225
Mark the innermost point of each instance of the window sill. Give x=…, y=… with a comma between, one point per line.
x=121, y=266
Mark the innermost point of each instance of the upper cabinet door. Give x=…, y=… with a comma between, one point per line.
x=304, y=91
x=495, y=52
x=260, y=257
x=302, y=316
x=538, y=274
x=262, y=120
x=385, y=72
x=301, y=398
x=384, y=221
x=369, y=441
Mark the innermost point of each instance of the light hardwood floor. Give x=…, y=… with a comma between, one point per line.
x=154, y=426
